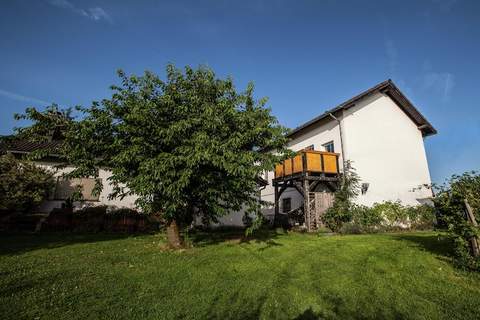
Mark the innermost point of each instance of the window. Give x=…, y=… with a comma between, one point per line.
x=329, y=146
x=286, y=204
x=66, y=187
x=310, y=147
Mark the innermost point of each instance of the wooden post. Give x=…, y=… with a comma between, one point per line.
x=306, y=203
x=474, y=240
x=276, y=212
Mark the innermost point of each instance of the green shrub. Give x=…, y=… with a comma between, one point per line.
x=388, y=216
x=421, y=217
x=23, y=185
x=351, y=228
x=393, y=213
x=368, y=219
x=89, y=219
x=451, y=210
x=340, y=212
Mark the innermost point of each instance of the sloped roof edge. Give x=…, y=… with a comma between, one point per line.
x=390, y=89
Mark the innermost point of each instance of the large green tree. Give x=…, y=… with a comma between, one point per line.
x=187, y=146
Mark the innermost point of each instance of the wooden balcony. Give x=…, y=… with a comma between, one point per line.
x=314, y=162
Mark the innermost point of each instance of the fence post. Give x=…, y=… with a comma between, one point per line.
x=471, y=219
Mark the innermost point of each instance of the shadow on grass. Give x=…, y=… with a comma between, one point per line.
x=438, y=244
x=18, y=243
x=236, y=236
x=309, y=314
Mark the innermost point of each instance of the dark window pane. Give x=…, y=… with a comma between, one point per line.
x=329, y=147
x=286, y=204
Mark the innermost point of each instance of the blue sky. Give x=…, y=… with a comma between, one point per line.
x=306, y=56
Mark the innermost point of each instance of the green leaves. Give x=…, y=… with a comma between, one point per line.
x=341, y=210
x=22, y=185
x=187, y=145
x=449, y=202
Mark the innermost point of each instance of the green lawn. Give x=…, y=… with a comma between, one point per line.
x=293, y=276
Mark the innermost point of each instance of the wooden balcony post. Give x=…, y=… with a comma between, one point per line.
x=276, y=208
x=306, y=203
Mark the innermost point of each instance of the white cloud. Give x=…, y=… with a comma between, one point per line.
x=19, y=97
x=95, y=13
x=440, y=82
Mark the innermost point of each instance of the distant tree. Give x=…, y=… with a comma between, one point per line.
x=190, y=146
x=23, y=186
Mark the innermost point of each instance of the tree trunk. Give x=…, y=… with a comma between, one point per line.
x=173, y=235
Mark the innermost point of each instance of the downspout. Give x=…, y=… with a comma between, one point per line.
x=341, y=140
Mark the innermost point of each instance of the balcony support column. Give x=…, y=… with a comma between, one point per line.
x=306, y=203
x=277, y=209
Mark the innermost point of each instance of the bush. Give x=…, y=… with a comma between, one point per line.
x=388, y=216
x=100, y=218
x=351, y=228
x=23, y=185
x=341, y=210
x=89, y=219
x=450, y=202
x=394, y=214
x=421, y=217
x=128, y=220
x=367, y=219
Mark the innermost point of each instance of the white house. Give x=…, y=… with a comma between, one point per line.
x=379, y=131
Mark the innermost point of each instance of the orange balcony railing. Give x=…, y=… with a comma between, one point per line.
x=308, y=161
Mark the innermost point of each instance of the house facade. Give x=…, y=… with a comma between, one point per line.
x=381, y=134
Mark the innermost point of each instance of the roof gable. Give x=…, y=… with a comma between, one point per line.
x=388, y=88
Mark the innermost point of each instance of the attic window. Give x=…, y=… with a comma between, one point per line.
x=329, y=147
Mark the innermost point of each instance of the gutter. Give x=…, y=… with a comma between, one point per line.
x=341, y=139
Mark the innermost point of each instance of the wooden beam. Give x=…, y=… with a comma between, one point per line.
x=282, y=188
x=306, y=203
x=314, y=185
x=321, y=178
x=298, y=188
x=276, y=208
x=474, y=240
x=331, y=186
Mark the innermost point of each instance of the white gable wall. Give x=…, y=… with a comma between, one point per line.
x=386, y=149
x=317, y=136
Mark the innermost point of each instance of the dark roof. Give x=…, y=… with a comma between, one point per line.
x=390, y=89
x=261, y=182
x=24, y=146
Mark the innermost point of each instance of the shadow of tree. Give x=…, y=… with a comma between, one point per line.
x=309, y=314
x=440, y=244
x=18, y=243
x=212, y=237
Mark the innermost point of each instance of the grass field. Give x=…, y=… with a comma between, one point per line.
x=294, y=276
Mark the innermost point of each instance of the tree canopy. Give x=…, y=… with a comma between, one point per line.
x=23, y=185
x=187, y=145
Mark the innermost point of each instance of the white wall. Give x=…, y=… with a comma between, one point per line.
x=317, y=136
x=385, y=147
x=127, y=202
x=387, y=151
